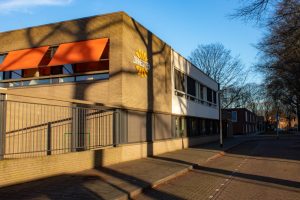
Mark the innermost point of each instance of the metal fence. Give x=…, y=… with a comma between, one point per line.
x=36, y=129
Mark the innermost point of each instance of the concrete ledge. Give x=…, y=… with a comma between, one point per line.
x=14, y=171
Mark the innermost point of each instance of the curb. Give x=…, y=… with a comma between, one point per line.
x=140, y=190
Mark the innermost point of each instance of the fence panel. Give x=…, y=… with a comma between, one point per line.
x=35, y=129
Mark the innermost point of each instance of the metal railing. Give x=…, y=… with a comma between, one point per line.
x=36, y=129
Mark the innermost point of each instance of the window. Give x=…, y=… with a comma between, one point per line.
x=209, y=95
x=202, y=127
x=192, y=126
x=234, y=116
x=1, y=76
x=92, y=77
x=2, y=57
x=16, y=74
x=201, y=91
x=68, y=69
x=246, y=116
x=191, y=86
x=179, y=80
x=214, y=97
x=6, y=75
x=180, y=129
x=27, y=73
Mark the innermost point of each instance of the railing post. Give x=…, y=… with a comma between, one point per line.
x=116, y=127
x=74, y=133
x=78, y=140
x=49, y=139
x=2, y=125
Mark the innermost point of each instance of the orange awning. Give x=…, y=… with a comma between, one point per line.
x=79, y=52
x=23, y=59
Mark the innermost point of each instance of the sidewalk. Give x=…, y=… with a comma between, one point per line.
x=120, y=181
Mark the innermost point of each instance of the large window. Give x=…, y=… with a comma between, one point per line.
x=201, y=92
x=180, y=129
x=179, y=80
x=202, y=127
x=214, y=97
x=193, y=90
x=191, y=86
x=209, y=94
x=63, y=73
x=234, y=116
x=193, y=128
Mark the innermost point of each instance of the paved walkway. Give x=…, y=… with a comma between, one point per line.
x=121, y=181
x=257, y=170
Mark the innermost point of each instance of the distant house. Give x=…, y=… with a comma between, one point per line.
x=243, y=121
x=227, y=123
x=261, y=125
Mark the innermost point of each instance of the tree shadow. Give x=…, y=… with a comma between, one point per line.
x=85, y=185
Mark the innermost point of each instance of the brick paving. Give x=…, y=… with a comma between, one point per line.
x=116, y=181
x=203, y=182
x=262, y=169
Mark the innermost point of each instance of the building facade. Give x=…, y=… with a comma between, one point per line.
x=243, y=121
x=114, y=62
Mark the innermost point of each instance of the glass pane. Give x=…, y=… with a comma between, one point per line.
x=67, y=79
x=92, y=77
x=43, y=81
x=56, y=70
x=15, y=84
x=209, y=95
x=191, y=86
x=179, y=80
x=3, y=85
x=2, y=57
x=68, y=69
x=16, y=74
x=1, y=76
x=36, y=82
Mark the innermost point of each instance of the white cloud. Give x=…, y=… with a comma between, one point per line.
x=7, y=6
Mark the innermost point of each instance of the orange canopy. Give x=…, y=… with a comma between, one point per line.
x=79, y=52
x=23, y=59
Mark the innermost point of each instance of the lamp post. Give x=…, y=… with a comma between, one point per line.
x=220, y=116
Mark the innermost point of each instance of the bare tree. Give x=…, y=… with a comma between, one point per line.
x=280, y=48
x=257, y=10
x=218, y=63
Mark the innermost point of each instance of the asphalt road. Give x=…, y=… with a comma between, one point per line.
x=262, y=169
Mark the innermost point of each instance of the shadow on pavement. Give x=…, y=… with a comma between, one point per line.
x=81, y=186
x=286, y=147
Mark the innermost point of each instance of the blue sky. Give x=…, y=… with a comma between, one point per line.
x=181, y=23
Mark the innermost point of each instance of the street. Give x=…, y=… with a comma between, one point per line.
x=262, y=169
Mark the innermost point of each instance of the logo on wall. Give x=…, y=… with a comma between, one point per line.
x=141, y=63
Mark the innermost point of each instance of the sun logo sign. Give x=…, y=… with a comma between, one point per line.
x=141, y=63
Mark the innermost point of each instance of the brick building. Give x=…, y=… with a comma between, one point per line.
x=113, y=61
x=243, y=121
